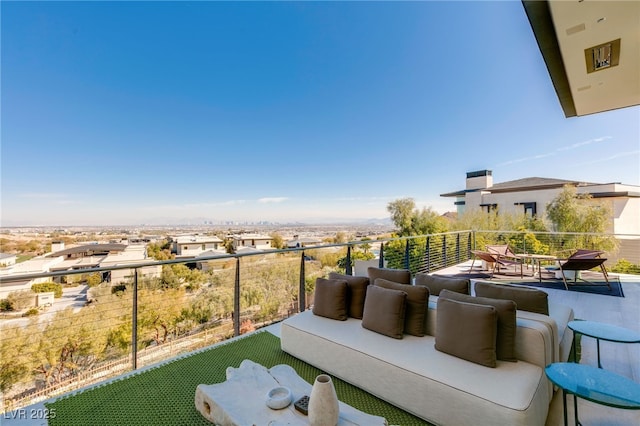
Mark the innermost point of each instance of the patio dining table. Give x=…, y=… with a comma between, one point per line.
x=535, y=260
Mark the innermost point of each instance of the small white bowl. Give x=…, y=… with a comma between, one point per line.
x=279, y=398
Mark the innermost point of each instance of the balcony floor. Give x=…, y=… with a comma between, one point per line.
x=623, y=359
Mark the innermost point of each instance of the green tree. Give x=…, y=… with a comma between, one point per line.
x=573, y=212
x=160, y=250
x=278, y=241
x=48, y=286
x=410, y=220
x=570, y=212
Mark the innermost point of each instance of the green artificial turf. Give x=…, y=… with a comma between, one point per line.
x=165, y=395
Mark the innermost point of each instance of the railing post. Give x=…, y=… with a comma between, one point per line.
x=469, y=246
x=381, y=257
x=444, y=250
x=348, y=268
x=302, y=291
x=457, y=248
x=406, y=255
x=428, y=254
x=236, y=300
x=134, y=322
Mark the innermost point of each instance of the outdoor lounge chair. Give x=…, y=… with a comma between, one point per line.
x=503, y=250
x=583, y=260
x=496, y=260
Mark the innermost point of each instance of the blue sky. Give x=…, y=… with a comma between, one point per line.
x=118, y=113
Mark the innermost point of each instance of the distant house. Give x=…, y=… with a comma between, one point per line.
x=531, y=196
x=79, y=257
x=7, y=259
x=32, y=266
x=195, y=245
x=255, y=241
x=297, y=242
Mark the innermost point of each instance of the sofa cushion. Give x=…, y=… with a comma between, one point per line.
x=437, y=283
x=506, y=310
x=416, y=305
x=402, y=276
x=467, y=331
x=356, y=292
x=330, y=299
x=384, y=311
x=527, y=299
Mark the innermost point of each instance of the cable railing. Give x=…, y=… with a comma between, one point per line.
x=107, y=321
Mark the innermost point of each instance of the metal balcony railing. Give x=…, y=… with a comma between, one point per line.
x=134, y=315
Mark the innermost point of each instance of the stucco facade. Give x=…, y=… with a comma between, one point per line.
x=532, y=195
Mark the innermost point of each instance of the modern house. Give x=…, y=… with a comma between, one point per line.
x=255, y=241
x=87, y=256
x=298, y=241
x=7, y=259
x=195, y=245
x=531, y=196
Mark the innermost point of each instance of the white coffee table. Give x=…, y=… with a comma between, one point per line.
x=241, y=399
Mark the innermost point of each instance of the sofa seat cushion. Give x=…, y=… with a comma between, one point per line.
x=413, y=375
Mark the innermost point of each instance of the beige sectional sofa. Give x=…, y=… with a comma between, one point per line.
x=435, y=386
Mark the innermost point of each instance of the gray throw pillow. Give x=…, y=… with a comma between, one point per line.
x=384, y=310
x=416, y=306
x=437, y=283
x=356, y=292
x=467, y=331
x=506, y=310
x=527, y=299
x=330, y=299
x=402, y=276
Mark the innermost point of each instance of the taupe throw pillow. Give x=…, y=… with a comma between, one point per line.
x=527, y=299
x=437, y=283
x=416, y=305
x=330, y=299
x=356, y=292
x=467, y=330
x=384, y=310
x=506, y=310
x=402, y=276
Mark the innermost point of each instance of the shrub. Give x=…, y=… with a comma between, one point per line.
x=5, y=305
x=623, y=266
x=48, y=286
x=31, y=312
x=20, y=299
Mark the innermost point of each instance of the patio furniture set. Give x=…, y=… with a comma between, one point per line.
x=433, y=349
x=501, y=256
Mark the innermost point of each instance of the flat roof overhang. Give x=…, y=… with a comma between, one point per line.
x=566, y=30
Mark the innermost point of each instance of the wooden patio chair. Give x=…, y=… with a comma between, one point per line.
x=496, y=260
x=583, y=260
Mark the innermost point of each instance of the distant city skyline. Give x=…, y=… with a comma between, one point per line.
x=127, y=113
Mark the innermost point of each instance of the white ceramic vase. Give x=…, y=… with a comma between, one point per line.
x=323, y=403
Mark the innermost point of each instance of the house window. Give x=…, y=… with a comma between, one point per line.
x=529, y=208
x=203, y=247
x=489, y=207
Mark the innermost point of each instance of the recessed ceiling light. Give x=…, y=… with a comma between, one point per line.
x=603, y=56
